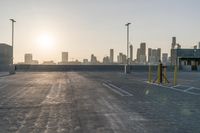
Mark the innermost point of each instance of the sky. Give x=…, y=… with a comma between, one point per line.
x=46, y=28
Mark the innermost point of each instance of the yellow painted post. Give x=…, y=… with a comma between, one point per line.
x=158, y=74
x=150, y=75
x=175, y=75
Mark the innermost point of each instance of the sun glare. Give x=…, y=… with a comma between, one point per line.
x=46, y=41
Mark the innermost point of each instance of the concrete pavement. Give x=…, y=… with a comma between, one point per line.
x=93, y=102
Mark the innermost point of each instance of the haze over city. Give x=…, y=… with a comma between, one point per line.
x=47, y=28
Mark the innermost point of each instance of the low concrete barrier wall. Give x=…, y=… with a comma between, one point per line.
x=198, y=68
x=4, y=68
x=187, y=68
x=120, y=68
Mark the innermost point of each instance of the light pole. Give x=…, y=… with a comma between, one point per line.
x=127, y=67
x=12, y=67
x=13, y=21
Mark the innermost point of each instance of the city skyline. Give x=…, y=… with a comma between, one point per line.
x=96, y=26
x=143, y=56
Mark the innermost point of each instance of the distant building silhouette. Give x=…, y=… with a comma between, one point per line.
x=111, y=56
x=35, y=62
x=28, y=58
x=106, y=60
x=85, y=61
x=121, y=58
x=64, y=60
x=64, y=57
x=173, y=52
x=141, y=54
x=154, y=55
x=149, y=54
x=138, y=55
x=93, y=59
x=76, y=62
x=199, y=45
x=143, y=48
x=49, y=62
x=165, y=58
x=5, y=54
x=158, y=54
x=173, y=42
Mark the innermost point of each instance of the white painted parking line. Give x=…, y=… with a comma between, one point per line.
x=113, y=89
x=196, y=88
x=190, y=88
x=176, y=86
x=116, y=89
x=176, y=89
x=127, y=93
x=193, y=93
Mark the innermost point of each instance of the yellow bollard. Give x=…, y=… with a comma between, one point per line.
x=165, y=75
x=150, y=75
x=175, y=75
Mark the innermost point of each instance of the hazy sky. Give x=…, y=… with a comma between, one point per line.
x=83, y=27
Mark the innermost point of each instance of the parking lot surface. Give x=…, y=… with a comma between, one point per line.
x=98, y=102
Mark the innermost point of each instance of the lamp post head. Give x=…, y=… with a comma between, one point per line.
x=12, y=20
x=127, y=24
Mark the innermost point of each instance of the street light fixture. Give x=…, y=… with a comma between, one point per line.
x=127, y=67
x=13, y=21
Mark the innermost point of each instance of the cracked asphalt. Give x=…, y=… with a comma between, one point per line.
x=94, y=102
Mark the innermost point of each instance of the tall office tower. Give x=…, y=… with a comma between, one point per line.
x=28, y=58
x=121, y=58
x=138, y=55
x=64, y=57
x=153, y=58
x=131, y=53
x=93, y=59
x=149, y=54
x=124, y=59
x=172, y=52
x=143, y=48
x=165, y=58
x=143, y=53
x=154, y=55
x=173, y=42
x=111, y=55
x=106, y=60
x=158, y=54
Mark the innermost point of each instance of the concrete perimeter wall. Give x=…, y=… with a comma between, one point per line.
x=120, y=68
x=4, y=68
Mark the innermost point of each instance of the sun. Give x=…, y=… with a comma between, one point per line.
x=46, y=41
